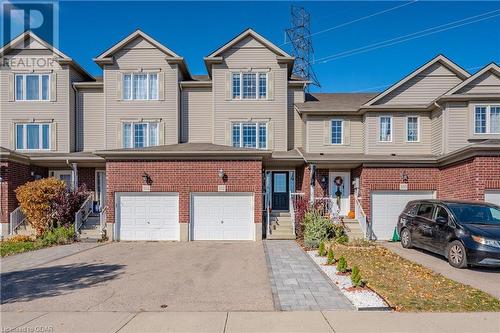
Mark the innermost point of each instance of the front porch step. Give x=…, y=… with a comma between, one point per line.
x=280, y=214
x=281, y=237
x=355, y=231
x=89, y=235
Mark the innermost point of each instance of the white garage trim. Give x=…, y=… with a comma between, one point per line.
x=492, y=196
x=153, y=216
x=222, y=216
x=386, y=207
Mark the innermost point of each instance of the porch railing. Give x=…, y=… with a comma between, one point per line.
x=16, y=218
x=102, y=218
x=360, y=215
x=83, y=213
x=326, y=206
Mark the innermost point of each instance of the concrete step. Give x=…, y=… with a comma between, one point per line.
x=280, y=214
x=89, y=235
x=289, y=236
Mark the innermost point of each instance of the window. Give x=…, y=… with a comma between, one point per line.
x=441, y=212
x=487, y=119
x=249, y=85
x=249, y=135
x=33, y=136
x=32, y=87
x=336, y=132
x=425, y=210
x=412, y=129
x=138, y=135
x=385, y=127
x=140, y=86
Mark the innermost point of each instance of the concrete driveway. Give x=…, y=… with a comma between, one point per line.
x=485, y=279
x=149, y=276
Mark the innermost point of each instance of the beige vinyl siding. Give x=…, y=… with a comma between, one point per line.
x=249, y=54
x=437, y=132
x=196, y=115
x=295, y=95
x=90, y=119
x=74, y=76
x=488, y=83
x=57, y=111
x=423, y=88
x=399, y=145
x=318, y=131
x=136, y=56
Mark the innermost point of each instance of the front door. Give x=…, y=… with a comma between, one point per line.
x=340, y=191
x=281, y=196
x=100, y=188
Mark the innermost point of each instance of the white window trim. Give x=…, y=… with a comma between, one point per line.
x=39, y=88
x=331, y=132
x=257, y=139
x=132, y=133
x=488, y=118
x=418, y=128
x=391, y=128
x=25, y=137
x=257, y=73
x=132, y=99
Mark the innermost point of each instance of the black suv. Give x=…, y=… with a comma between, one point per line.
x=466, y=233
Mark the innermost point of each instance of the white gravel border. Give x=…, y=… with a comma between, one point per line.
x=363, y=299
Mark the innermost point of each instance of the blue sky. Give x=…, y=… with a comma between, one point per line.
x=194, y=29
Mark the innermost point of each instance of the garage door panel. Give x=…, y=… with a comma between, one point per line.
x=386, y=207
x=222, y=216
x=492, y=196
x=148, y=216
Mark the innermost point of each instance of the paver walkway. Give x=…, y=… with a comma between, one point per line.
x=296, y=281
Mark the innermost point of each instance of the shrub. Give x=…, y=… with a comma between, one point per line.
x=342, y=265
x=35, y=199
x=330, y=259
x=317, y=228
x=66, y=204
x=321, y=249
x=301, y=207
x=60, y=235
x=20, y=239
x=344, y=239
x=356, y=279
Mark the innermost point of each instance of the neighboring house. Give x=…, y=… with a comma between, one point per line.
x=175, y=156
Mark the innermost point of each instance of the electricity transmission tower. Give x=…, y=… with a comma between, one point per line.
x=299, y=35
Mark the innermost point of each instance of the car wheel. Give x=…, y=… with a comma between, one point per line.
x=406, y=238
x=456, y=255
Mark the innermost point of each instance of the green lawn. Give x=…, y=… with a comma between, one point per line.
x=407, y=286
x=8, y=247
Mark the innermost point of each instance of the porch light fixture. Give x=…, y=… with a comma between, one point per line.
x=221, y=174
x=404, y=177
x=147, y=179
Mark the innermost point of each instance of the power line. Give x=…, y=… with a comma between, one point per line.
x=356, y=20
x=404, y=38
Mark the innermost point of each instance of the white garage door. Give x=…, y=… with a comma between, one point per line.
x=222, y=216
x=492, y=196
x=148, y=216
x=386, y=207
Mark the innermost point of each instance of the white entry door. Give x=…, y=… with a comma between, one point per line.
x=344, y=204
x=147, y=216
x=492, y=196
x=386, y=207
x=222, y=216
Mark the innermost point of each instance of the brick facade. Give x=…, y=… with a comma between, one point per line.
x=86, y=176
x=184, y=177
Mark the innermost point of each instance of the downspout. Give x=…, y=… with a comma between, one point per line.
x=74, y=174
x=312, y=175
x=443, y=125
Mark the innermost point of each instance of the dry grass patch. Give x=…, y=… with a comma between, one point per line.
x=407, y=286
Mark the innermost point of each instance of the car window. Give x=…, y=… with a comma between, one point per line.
x=476, y=213
x=411, y=209
x=426, y=210
x=441, y=212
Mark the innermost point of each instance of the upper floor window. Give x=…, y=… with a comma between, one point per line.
x=337, y=129
x=487, y=119
x=249, y=135
x=412, y=126
x=140, y=86
x=249, y=85
x=32, y=87
x=138, y=135
x=33, y=136
x=385, y=128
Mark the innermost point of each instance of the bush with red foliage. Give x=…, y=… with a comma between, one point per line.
x=66, y=204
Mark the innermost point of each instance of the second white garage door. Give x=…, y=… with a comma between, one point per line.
x=222, y=216
x=386, y=207
x=148, y=216
x=492, y=196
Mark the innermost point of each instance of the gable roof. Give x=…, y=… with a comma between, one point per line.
x=459, y=71
x=61, y=57
x=249, y=33
x=137, y=33
x=492, y=67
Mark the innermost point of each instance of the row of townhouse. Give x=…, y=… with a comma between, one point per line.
x=174, y=156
